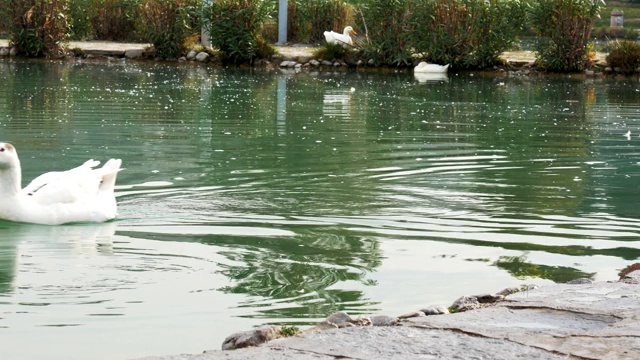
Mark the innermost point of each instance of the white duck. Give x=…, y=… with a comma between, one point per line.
x=333, y=37
x=424, y=67
x=82, y=194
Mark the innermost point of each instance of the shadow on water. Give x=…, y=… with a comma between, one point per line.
x=521, y=269
x=294, y=266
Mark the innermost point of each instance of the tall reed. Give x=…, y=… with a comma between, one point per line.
x=37, y=27
x=113, y=19
x=465, y=33
x=234, y=27
x=308, y=20
x=168, y=23
x=387, y=32
x=624, y=56
x=79, y=21
x=563, y=28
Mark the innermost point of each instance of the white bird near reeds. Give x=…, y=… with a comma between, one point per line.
x=333, y=37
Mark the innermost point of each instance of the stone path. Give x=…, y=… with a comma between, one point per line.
x=98, y=48
x=107, y=48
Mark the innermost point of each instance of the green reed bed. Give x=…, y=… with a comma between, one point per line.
x=563, y=29
x=234, y=27
x=167, y=24
x=624, y=55
x=36, y=27
x=465, y=33
x=308, y=20
x=113, y=19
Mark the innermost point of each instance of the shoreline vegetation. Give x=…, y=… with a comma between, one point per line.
x=291, y=59
x=467, y=34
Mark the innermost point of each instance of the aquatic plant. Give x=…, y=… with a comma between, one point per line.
x=168, y=23
x=464, y=33
x=37, y=27
x=234, y=27
x=563, y=29
x=624, y=55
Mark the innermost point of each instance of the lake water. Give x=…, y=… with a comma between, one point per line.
x=255, y=197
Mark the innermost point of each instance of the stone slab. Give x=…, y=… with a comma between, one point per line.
x=388, y=343
x=582, y=321
x=107, y=48
x=100, y=48
x=593, y=321
x=259, y=353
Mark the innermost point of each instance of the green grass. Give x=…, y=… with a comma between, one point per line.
x=289, y=331
x=631, y=14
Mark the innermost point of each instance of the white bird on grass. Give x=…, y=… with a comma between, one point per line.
x=333, y=37
x=82, y=194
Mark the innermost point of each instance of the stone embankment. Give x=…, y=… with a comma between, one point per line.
x=290, y=58
x=579, y=320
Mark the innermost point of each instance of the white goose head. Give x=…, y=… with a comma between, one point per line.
x=10, y=171
x=348, y=31
x=8, y=156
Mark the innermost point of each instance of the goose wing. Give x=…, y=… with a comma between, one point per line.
x=65, y=186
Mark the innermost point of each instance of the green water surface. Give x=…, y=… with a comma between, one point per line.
x=257, y=197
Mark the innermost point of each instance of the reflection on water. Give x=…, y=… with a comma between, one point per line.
x=252, y=197
x=22, y=241
x=425, y=78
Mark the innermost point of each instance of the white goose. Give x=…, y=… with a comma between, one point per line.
x=333, y=37
x=82, y=194
x=424, y=67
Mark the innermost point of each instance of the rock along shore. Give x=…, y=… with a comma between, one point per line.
x=293, y=58
x=580, y=320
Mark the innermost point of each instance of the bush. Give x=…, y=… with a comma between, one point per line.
x=563, y=28
x=624, y=55
x=465, y=33
x=168, y=23
x=4, y=25
x=80, y=24
x=332, y=52
x=605, y=33
x=387, y=32
x=234, y=27
x=37, y=27
x=113, y=19
x=308, y=20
